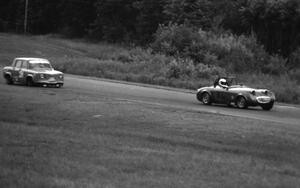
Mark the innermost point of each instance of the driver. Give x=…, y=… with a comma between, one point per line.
x=223, y=83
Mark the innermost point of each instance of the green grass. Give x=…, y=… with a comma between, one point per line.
x=132, y=64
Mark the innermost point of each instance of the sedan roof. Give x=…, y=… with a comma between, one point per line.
x=33, y=59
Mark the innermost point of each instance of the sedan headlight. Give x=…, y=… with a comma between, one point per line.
x=61, y=76
x=42, y=76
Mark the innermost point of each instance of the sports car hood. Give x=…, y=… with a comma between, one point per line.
x=254, y=92
x=246, y=89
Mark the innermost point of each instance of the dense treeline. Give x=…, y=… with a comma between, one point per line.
x=274, y=23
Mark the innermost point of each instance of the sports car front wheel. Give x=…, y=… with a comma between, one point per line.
x=267, y=106
x=241, y=102
x=206, y=98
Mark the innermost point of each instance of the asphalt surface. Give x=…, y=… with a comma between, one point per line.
x=176, y=98
x=173, y=98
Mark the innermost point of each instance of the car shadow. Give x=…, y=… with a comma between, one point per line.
x=34, y=86
x=224, y=106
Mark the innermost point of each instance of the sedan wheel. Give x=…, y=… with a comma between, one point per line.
x=8, y=79
x=206, y=98
x=29, y=82
x=241, y=102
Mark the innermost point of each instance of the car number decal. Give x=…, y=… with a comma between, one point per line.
x=21, y=74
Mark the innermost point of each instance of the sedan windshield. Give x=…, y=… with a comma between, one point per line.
x=40, y=66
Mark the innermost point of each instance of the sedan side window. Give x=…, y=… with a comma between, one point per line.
x=25, y=65
x=18, y=64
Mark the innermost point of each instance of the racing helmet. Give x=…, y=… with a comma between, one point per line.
x=223, y=82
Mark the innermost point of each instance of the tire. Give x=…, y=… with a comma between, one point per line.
x=205, y=98
x=241, y=102
x=268, y=106
x=29, y=82
x=9, y=80
x=199, y=97
x=58, y=85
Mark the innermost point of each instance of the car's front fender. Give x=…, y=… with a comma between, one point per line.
x=201, y=91
x=250, y=100
x=7, y=73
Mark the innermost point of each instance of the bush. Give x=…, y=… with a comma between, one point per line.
x=294, y=60
x=234, y=53
x=146, y=66
x=174, y=39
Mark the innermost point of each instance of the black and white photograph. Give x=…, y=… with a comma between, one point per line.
x=150, y=93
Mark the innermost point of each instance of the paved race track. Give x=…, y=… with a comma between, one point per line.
x=184, y=100
x=168, y=97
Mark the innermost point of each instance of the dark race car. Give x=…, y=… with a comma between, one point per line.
x=222, y=92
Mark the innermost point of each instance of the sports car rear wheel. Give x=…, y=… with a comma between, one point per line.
x=206, y=98
x=241, y=102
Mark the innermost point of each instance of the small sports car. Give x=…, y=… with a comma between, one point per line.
x=222, y=92
x=33, y=71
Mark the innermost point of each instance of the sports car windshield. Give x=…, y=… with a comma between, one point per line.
x=40, y=66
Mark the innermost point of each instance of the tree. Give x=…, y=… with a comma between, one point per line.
x=149, y=16
x=275, y=23
x=76, y=17
x=196, y=13
x=115, y=20
x=12, y=15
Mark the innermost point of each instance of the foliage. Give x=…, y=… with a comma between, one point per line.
x=234, y=53
x=114, y=20
x=274, y=23
x=174, y=39
x=76, y=17
x=197, y=13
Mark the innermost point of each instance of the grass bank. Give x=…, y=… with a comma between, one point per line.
x=133, y=64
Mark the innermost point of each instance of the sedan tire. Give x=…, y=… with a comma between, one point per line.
x=29, y=82
x=8, y=79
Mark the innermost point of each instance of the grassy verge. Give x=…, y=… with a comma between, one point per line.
x=134, y=64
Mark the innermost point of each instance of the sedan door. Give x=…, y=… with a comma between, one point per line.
x=23, y=72
x=16, y=70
